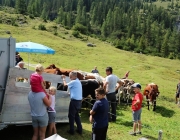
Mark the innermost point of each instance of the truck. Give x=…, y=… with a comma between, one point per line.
x=14, y=105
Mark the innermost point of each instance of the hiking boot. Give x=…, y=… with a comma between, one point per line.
x=133, y=133
x=139, y=132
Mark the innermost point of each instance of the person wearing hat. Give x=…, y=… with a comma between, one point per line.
x=136, y=108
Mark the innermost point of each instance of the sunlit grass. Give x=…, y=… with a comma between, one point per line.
x=73, y=53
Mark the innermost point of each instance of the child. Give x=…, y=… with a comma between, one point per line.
x=136, y=108
x=99, y=116
x=36, y=80
x=52, y=112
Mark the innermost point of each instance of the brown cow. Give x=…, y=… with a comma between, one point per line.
x=151, y=92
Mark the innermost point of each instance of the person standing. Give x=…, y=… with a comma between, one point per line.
x=38, y=104
x=95, y=70
x=18, y=58
x=52, y=112
x=136, y=108
x=177, y=93
x=75, y=89
x=20, y=65
x=99, y=116
x=110, y=88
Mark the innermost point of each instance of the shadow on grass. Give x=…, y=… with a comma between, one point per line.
x=164, y=111
x=148, y=137
x=62, y=128
x=17, y=133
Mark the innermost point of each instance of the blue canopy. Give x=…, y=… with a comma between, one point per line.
x=31, y=47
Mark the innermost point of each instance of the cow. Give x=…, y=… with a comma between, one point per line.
x=151, y=91
x=89, y=81
x=125, y=90
x=88, y=89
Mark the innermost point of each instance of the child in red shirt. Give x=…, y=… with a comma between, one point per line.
x=36, y=80
x=136, y=108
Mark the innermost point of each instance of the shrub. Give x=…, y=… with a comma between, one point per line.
x=34, y=27
x=76, y=34
x=31, y=16
x=79, y=27
x=67, y=27
x=55, y=33
x=42, y=27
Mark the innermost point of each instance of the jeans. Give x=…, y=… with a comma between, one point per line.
x=74, y=107
x=111, y=97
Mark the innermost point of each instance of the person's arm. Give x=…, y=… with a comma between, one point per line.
x=92, y=112
x=64, y=81
x=91, y=119
x=119, y=83
x=105, y=84
x=47, y=101
x=44, y=88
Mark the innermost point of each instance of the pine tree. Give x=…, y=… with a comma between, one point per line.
x=21, y=7
x=44, y=13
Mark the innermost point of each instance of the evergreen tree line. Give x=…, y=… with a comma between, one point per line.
x=132, y=25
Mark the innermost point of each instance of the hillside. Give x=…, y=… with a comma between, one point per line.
x=146, y=26
x=73, y=53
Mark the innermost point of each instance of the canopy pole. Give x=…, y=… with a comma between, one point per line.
x=28, y=61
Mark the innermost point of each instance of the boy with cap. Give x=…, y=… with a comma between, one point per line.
x=136, y=108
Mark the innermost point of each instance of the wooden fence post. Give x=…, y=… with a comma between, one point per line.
x=160, y=135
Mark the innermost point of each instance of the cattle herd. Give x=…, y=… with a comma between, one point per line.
x=91, y=81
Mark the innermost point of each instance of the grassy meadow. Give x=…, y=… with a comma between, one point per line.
x=73, y=53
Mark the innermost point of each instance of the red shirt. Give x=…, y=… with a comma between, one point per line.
x=138, y=96
x=35, y=81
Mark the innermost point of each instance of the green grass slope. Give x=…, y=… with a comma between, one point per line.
x=73, y=53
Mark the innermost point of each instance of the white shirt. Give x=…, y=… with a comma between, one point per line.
x=52, y=106
x=112, y=80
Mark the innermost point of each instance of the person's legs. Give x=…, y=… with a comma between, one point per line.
x=43, y=122
x=77, y=118
x=113, y=106
x=109, y=100
x=176, y=98
x=54, y=128
x=71, y=115
x=35, y=128
x=42, y=131
x=35, y=135
x=135, y=120
x=97, y=134
x=50, y=129
x=139, y=126
x=139, y=121
x=104, y=133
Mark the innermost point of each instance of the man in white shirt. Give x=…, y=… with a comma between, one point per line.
x=110, y=87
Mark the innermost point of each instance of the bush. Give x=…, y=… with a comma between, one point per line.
x=31, y=16
x=79, y=27
x=34, y=27
x=76, y=34
x=55, y=33
x=41, y=27
x=67, y=27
